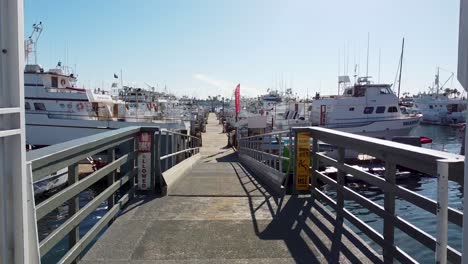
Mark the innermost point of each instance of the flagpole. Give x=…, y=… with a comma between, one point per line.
x=121, y=79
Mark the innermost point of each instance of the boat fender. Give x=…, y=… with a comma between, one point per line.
x=80, y=107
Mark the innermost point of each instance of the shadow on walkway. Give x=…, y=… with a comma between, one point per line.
x=310, y=231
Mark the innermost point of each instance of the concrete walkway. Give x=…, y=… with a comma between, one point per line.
x=219, y=213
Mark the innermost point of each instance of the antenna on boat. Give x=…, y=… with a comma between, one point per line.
x=378, y=78
x=401, y=65
x=355, y=72
x=367, y=63
x=339, y=69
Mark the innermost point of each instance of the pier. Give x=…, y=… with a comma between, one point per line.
x=162, y=194
x=180, y=199
x=218, y=211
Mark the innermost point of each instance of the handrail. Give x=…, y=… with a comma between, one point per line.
x=50, y=159
x=120, y=174
x=427, y=161
x=267, y=134
x=271, y=157
x=178, y=152
x=402, y=154
x=61, y=155
x=446, y=166
x=172, y=144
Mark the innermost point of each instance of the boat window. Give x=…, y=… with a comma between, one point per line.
x=54, y=80
x=368, y=110
x=384, y=90
x=351, y=109
x=27, y=106
x=359, y=91
x=431, y=107
x=380, y=109
x=392, y=109
x=39, y=106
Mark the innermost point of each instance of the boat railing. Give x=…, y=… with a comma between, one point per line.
x=133, y=158
x=445, y=166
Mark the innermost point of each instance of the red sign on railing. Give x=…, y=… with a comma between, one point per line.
x=144, y=160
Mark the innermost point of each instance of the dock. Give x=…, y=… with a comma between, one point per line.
x=218, y=212
x=174, y=198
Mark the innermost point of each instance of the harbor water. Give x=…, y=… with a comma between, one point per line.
x=444, y=138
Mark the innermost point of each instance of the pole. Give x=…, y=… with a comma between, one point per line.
x=442, y=212
x=121, y=79
x=378, y=79
x=18, y=232
x=462, y=77
x=401, y=65
x=465, y=197
x=367, y=64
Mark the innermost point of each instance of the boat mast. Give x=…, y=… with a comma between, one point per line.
x=339, y=71
x=367, y=64
x=378, y=79
x=401, y=65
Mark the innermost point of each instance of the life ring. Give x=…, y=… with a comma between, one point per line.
x=63, y=82
x=80, y=107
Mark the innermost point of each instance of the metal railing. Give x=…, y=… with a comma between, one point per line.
x=445, y=165
x=270, y=155
x=175, y=147
x=121, y=149
x=268, y=149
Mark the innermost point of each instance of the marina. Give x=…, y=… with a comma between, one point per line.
x=158, y=168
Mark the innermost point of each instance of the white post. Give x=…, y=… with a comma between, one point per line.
x=18, y=236
x=465, y=199
x=442, y=211
x=462, y=76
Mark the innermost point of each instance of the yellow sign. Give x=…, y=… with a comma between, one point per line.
x=302, y=161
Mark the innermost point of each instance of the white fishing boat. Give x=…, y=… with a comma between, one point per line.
x=364, y=108
x=58, y=111
x=140, y=105
x=440, y=106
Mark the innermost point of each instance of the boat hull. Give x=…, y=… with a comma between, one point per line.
x=383, y=129
x=44, y=131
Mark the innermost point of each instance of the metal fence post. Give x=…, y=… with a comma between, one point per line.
x=442, y=211
x=174, y=149
x=293, y=162
x=156, y=164
x=166, y=161
x=313, y=178
x=110, y=179
x=133, y=148
x=73, y=205
x=280, y=154
x=340, y=180
x=389, y=206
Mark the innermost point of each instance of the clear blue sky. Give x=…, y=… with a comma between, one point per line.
x=206, y=47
